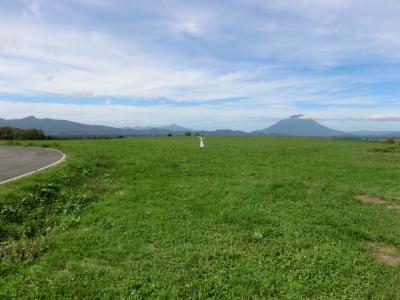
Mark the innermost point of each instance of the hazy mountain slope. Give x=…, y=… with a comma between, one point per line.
x=224, y=132
x=377, y=134
x=176, y=128
x=65, y=128
x=300, y=127
x=293, y=126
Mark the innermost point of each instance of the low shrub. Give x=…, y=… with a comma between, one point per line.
x=390, y=141
x=29, y=216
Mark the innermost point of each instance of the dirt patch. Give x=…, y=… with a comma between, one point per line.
x=394, y=206
x=369, y=199
x=121, y=193
x=387, y=254
x=376, y=200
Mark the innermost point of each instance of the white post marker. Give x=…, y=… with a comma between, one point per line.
x=202, y=143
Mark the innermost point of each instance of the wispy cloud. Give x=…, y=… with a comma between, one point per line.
x=386, y=117
x=278, y=57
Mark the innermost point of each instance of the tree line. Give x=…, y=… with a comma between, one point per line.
x=9, y=133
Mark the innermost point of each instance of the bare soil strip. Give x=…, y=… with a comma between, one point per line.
x=387, y=254
x=369, y=199
x=376, y=200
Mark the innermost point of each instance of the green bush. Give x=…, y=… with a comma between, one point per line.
x=390, y=141
x=42, y=204
x=9, y=133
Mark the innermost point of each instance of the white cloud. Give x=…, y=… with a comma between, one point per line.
x=273, y=53
x=34, y=7
x=385, y=117
x=77, y=62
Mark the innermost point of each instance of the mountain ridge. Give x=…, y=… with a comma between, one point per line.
x=297, y=126
x=292, y=126
x=65, y=128
x=175, y=127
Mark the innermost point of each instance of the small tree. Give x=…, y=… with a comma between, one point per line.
x=390, y=141
x=169, y=134
x=188, y=133
x=8, y=133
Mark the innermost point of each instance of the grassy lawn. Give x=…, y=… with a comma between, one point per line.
x=244, y=218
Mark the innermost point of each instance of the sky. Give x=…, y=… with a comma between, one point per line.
x=202, y=64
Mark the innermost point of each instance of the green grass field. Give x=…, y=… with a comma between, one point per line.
x=248, y=217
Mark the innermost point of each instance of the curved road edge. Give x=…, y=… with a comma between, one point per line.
x=61, y=160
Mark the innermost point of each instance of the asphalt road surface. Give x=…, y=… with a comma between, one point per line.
x=16, y=162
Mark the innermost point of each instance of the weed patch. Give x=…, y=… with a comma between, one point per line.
x=26, y=219
x=391, y=149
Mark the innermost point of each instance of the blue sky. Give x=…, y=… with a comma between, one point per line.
x=202, y=64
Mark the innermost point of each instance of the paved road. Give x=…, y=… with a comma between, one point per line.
x=18, y=161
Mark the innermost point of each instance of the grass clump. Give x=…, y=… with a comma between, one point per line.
x=27, y=217
x=391, y=149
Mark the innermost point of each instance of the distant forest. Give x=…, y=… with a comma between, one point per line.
x=9, y=133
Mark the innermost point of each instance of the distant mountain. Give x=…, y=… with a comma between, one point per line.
x=224, y=132
x=176, y=128
x=292, y=126
x=63, y=128
x=172, y=127
x=296, y=126
x=139, y=127
x=377, y=134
